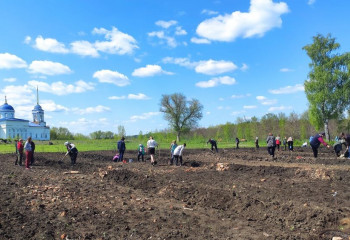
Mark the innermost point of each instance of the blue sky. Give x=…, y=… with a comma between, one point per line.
x=101, y=64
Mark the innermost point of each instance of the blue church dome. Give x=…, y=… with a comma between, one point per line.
x=38, y=108
x=6, y=107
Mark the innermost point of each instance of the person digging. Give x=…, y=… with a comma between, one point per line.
x=72, y=151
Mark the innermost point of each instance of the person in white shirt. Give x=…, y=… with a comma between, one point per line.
x=151, y=146
x=178, y=154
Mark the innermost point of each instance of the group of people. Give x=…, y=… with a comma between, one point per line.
x=315, y=142
x=175, y=150
x=275, y=142
x=28, y=149
x=26, y=152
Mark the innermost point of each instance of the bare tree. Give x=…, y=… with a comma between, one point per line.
x=181, y=114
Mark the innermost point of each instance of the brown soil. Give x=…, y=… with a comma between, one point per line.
x=248, y=196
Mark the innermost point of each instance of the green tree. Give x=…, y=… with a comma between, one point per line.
x=121, y=131
x=182, y=114
x=60, y=133
x=328, y=86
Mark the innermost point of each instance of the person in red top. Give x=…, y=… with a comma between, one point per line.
x=19, y=152
x=316, y=142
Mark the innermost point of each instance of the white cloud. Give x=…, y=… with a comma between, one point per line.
x=280, y=108
x=222, y=108
x=235, y=113
x=240, y=96
x=27, y=40
x=168, y=33
x=269, y=102
x=108, y=76
x=286, y=70
x=288, y=89
x=263, y=16
x=60, y=88
x=18, y=95
x=9, y=79
x=310, y=2
x=265, y=101
x=213, y=67
x=117, y=42
x=50, y=45
x=84, y=48
x=209, y=12
x=8, y=61
x=200, y=40
x=131, y=96
x=170, y=41
x=139, y=96
x=249, y=107
x=144, y=116
x=209, y=67
x=84, y=125
x=226, y=80
x=116, y=97
x=244, y=67
x=166, y=24
x=184, y=62
x=221, y=99
x=261, y=98
x=179, y=31
x=149, y=71
x=48, y=68
x=91, y=110
x=51, y=106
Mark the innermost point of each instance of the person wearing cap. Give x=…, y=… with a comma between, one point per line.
x=141, y=152
x=72, y=151
x=121, y=148
x=19, y=152
x=316, y=142
x=28, y=148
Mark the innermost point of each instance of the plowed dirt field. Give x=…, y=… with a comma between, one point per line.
x=233, y=194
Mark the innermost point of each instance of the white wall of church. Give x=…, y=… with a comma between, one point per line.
x=20, y=129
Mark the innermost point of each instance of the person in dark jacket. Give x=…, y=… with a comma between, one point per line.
x=213, y=144
x=271, y=145
x=72, y=151
x=337, y=146
x=121, y=148
x=346, y=137
x=316, y=142
x=33, y=148
x=237, y=142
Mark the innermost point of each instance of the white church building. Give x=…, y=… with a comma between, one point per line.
x=15, y=128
